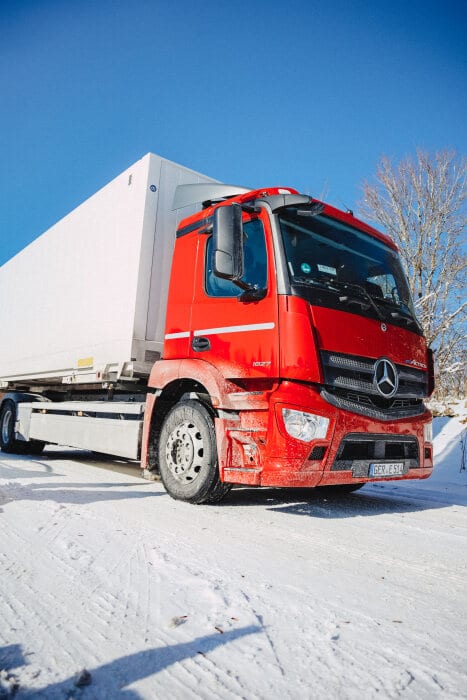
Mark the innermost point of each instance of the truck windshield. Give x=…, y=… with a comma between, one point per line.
x=335, y=265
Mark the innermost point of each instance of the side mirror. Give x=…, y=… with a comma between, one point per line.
x=227, y=251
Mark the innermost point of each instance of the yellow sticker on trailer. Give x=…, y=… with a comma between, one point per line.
x=85, y=362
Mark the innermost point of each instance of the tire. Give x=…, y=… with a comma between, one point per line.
x=7, y=427
x=188, y=455
x=8, y=443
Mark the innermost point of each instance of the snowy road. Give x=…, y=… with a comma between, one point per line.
x=272, y=594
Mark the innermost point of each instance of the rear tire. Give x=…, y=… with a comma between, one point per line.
x=7, y=427
x=8, y=442
x=188, y=455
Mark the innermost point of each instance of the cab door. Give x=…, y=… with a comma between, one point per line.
x=238, y=336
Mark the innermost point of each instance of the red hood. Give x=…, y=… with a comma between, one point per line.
x=342, y=332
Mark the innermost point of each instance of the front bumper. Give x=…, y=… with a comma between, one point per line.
x=352, y=444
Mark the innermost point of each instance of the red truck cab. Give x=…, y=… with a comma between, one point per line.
x=292, y=355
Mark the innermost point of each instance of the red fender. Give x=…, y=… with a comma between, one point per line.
x=223, y=394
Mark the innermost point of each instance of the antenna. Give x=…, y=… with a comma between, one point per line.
x=347, y=209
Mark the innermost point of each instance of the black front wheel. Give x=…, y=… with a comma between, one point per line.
x=188, y=455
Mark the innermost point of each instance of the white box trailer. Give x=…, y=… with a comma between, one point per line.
x=86, y=301
x=83, y=307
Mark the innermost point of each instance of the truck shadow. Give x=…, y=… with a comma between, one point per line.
x=76, y=493
x=17, y=467
x=373, y=499
x=98, y=459
x=319, y=503
x=9, y=470
x=110, y=680
x=53, y=464
x=52, y=455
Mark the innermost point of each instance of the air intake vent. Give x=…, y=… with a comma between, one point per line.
x=317, y=453
x=358, y=450
x=152, y=356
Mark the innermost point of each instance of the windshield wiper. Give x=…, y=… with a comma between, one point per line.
x=366, y=295
x=409, y=320
x=334, y=286
x=366, y=303
x=314, y=282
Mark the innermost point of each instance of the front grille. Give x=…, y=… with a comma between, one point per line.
x=349, y=385
x=358, y=450
x=365, y=406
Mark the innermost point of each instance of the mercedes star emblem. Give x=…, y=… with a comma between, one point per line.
x=385, y=379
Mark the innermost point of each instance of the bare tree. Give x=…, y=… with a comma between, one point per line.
x=421, y=203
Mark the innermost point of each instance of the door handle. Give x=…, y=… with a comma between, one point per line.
x=200, y=344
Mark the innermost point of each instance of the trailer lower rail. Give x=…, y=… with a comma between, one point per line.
x=102, y=426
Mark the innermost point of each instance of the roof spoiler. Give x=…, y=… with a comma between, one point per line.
x=204, y=191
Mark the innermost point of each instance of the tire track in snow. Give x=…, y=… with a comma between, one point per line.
x=221, y=610
x=206, y=607
x=360, y=659
x=69, y=560
x=329, y=542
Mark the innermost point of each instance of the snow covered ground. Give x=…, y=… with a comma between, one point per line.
x=272, y=594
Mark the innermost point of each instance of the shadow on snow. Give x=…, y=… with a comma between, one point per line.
x=322, y=503
x=111, y=680
x=374, y=499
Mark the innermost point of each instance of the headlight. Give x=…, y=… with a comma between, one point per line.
x=304, y=426
x=428, y=432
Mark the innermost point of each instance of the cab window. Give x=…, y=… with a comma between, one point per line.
x=255, y=263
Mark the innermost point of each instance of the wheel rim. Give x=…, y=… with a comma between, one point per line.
x=184, y=451
x=6, y=423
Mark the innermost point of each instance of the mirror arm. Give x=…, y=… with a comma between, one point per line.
x=253, y=295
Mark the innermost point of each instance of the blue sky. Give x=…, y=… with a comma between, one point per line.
x=301, y=94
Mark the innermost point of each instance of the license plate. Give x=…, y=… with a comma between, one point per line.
x=387, y=469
